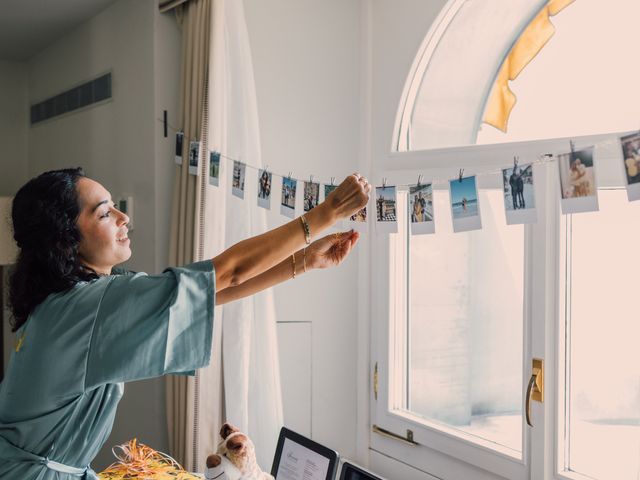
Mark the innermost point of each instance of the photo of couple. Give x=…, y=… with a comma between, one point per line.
x=421, y=203
x=518, y=187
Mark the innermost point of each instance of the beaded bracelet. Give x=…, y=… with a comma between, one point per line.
x=307, y=230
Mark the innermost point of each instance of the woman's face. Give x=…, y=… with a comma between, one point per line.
x=103, y=228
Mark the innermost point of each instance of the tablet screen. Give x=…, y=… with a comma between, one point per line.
x=299, y=458
x=300, y=463
x=351, y=472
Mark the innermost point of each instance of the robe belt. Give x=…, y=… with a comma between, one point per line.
x=11, y=453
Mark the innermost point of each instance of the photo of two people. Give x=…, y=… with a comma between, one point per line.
x=264, y=188
x=518, y=187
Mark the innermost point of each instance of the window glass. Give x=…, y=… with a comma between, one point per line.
x=584, y=81
x=465, y=324
x=602, y=354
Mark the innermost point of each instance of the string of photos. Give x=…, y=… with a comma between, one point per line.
x=576, y=168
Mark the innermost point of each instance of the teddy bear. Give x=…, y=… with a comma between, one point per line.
x=235, y=458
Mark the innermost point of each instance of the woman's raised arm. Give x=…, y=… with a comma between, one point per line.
x=255, y=255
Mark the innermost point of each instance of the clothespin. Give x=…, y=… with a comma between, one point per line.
x=572, y=156
x=311, y=178
x=333, y=179
x=384, y=182
x=419, y=180
x=289, y=177
x=266, y=169
x=515, y=161
x=460, y=175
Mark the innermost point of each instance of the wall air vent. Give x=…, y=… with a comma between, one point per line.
x=79, y=97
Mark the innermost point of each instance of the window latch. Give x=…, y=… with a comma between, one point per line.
x=535, y=389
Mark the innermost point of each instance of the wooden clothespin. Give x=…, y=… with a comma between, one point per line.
x=333, y=179
x=419, y=179
x=384, y=182
x=460, y=175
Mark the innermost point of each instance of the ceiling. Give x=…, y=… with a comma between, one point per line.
x=28, y=26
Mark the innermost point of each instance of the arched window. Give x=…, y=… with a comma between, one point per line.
x=582, y=82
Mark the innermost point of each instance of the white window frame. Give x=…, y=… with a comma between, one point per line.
x=445, y=452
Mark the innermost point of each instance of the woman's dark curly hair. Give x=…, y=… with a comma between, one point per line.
x=44, y=213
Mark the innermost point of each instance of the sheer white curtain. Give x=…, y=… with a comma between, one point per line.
x=251, y=377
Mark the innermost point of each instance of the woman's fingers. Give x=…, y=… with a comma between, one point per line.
x=351, y=195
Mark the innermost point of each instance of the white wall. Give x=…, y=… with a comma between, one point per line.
x=13, y=126
x=121, y=145
x=167, y=55
x=398, y=29
x=306, y=57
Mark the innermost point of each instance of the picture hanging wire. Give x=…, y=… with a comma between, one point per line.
x=543, y=158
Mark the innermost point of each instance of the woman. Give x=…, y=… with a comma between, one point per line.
x=580, y=179
x=84, y=328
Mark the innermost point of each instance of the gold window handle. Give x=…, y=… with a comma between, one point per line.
x=535, y=389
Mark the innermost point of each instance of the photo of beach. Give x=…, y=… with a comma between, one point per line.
x=464, y=197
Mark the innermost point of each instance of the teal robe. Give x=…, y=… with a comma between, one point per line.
x=59, y=397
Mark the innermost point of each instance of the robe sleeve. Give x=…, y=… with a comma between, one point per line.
x=150, y=325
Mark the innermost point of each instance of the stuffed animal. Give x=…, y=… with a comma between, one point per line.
x=235, y=458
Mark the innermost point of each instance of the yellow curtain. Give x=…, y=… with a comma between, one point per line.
x=531, y=41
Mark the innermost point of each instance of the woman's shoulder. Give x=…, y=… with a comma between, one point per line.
x=83, y=291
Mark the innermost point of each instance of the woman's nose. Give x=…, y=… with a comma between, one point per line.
x=123, y=218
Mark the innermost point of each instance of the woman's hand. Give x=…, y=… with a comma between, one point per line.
x=331, y=250
x=350, y=196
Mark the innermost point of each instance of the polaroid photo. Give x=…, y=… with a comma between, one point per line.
x=519, y=196
x=578, y=181
x=214, y=168
x=179, y=144
x=631, y=156
x=359, y=220
x=238, y=179
x=327, y=190
x=265, y=180
x=465, y=207
x=311, y=195
x=194, y=157
x=288, y=198
x=421, y=209
x=386, y=209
